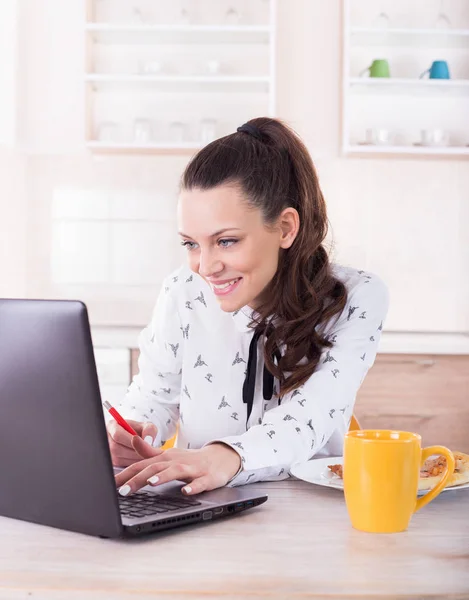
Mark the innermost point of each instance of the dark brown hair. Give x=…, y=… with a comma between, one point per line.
x=274, y=170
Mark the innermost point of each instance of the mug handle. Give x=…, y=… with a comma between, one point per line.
x=433, y=493
x=423, y=74
x=364, y=71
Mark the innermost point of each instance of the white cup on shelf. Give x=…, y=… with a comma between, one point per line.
x=143, y=131
x=138, y=16
x=381, y=21
x=232, y=16
x=208, y=130
x=378, y=137
x=443, y=21
x=107, y=131
x=433, y=137
x=186, y=12
x=213, y=66
x=177, y=131
x=150, y=67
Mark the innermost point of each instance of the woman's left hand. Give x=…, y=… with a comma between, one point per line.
x=205, y=469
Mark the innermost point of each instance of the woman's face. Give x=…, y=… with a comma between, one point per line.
x=229, y=245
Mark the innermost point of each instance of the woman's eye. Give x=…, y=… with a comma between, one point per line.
x=226, y=243
x=188, y=245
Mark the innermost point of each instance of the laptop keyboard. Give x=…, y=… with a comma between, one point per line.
x=143, y=504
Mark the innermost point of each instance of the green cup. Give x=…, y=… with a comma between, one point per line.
x=378, y=68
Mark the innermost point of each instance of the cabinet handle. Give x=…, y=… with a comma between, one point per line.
x=426, y=362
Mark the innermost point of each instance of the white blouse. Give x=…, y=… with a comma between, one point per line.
x=192, y=364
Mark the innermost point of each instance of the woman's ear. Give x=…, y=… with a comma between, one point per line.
x=289, y=224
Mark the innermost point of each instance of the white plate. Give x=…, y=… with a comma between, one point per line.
x=316, y=471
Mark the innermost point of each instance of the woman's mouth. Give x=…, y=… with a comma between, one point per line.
x=224, y=289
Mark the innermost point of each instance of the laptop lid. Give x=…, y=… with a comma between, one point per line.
x=53, y=442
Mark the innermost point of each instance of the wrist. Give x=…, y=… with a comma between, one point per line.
x=232, y=462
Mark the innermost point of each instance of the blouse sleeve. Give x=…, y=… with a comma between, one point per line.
x=318, y=413
x=154, y=392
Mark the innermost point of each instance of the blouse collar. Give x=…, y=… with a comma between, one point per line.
x=242, y=317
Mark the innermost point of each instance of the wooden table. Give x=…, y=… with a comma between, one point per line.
x=298, y=545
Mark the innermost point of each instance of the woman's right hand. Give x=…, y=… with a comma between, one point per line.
x=120, y=441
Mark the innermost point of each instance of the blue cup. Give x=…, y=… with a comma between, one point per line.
x=438, y=70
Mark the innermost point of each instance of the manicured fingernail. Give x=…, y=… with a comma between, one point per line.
x=153, y=480
x=187, y=489
x=124, y=490
x=149, y=440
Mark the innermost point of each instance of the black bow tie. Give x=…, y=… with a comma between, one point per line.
x=250, y=379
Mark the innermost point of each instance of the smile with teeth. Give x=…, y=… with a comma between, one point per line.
x=224, y=288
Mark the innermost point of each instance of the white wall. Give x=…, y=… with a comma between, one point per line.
x=408, y=220
x=52, y=63
x=13, y=224
x=8, y=71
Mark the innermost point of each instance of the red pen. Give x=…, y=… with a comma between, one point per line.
x=119, y=418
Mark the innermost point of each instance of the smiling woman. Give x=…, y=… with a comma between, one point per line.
x=237, y=261
x=253, y=220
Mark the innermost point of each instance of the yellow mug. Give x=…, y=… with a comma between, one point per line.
x=381, y=474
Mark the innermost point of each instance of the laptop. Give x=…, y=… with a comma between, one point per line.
x=54, y=456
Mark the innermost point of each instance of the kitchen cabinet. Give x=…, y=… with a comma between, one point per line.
x=424, y=393
x=401, y=113
x=168, y=78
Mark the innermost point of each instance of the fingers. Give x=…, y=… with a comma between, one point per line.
x=119, y=435
x=122, y=449
x=148, y=433
x=135, y=468
x=199, y=484
x=137, y=426
x=119, y=451
x=124, y=462
x=143, y=449
x=156, y=474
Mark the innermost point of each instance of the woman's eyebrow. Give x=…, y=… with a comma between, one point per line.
x=219, y=232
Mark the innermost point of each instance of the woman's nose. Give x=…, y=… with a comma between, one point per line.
x=209, y=264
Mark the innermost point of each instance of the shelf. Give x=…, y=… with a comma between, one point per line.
x=112, y=81
x=151, y=148
x=407, y=150
x=400, y=36
x=409, y=86
x=404, y=104
x=205, y=83
x=108, y=33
